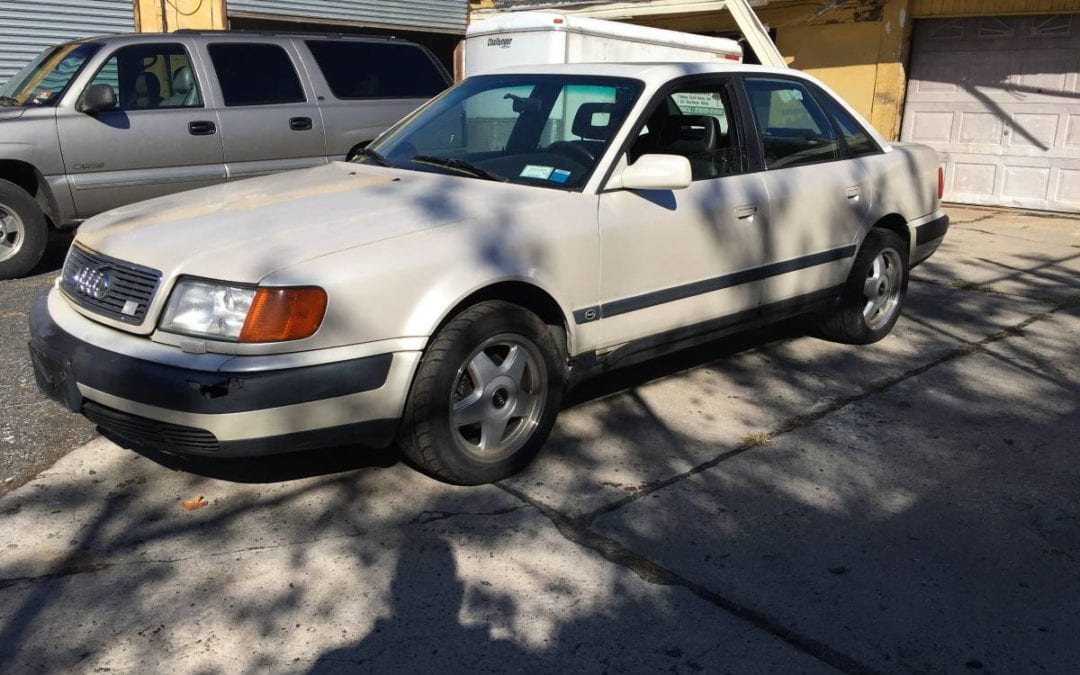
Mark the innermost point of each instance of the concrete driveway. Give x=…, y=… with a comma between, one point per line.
x=768, y=503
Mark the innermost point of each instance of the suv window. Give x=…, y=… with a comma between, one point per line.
x=793, y=128
x=44, y=79
x=255, y=74
x=376, y=70
x=857, y=140
x=149, y=77
x=696, y=123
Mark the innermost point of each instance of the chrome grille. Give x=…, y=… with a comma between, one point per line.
x=110, y=287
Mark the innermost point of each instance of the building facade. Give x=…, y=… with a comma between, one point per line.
x=994, y=85
x=28, y=26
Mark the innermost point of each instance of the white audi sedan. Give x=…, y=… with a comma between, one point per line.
x=520, y=232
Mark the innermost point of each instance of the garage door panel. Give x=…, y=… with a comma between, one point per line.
x=999, y=98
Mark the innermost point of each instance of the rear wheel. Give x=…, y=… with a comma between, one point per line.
x=485, y=396
x=23, y=231
x=874, y=292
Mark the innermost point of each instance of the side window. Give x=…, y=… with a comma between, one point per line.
x=150, y=77
x=793, y=129
x=696, y=123
x=857, y=140
x=255, y=74
x=356, y=70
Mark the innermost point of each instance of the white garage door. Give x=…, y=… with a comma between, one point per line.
x=999, y=97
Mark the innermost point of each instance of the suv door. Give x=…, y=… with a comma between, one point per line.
x=365, y=86
x=672, y=259
x=269, y=119
x=150, y=144
x=818, y=197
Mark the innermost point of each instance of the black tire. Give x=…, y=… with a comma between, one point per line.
x=23, y=231
x=437, y=446
x=850, y=321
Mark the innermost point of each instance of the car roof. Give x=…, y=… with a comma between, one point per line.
x=650, y=72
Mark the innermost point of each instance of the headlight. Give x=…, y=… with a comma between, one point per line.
x=243, y=314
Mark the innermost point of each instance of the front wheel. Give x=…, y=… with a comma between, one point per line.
x=23, y=231
x=874, y=292
x=485, y=395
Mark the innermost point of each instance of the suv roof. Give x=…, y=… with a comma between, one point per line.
x=187, y=33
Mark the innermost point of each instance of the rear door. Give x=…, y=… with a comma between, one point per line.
x=269, y=119
x=365, y=86
x=818, y=198
x=152, y=143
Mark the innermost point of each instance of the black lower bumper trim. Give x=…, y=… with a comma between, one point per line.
x=928, y=232
x=135, y=432
x=61, y=359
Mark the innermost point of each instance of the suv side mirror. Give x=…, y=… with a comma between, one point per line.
x=96, y=98
x=655, y=172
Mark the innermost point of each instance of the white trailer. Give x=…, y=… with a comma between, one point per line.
x=532, y=38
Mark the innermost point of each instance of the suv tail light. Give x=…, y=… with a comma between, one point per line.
x=940, y=182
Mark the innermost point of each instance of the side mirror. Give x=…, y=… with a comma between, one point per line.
x=655, y=172
x=96, y=98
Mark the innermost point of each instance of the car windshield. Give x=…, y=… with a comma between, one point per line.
x=546, y=130
x=45, y=78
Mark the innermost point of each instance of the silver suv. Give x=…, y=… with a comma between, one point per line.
x=102, y=122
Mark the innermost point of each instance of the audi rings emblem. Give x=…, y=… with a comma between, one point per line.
x=93, y=282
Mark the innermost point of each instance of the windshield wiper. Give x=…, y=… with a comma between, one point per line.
x=373, y=154
x=459, y=165
x=9, y=101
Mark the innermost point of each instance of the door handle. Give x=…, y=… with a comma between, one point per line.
x=201, y=128
x=853, y=192
x=300, y=123
x=746, y=211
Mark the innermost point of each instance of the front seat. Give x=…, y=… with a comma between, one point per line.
x=184, y=92
x=695, y=137
x=147, y=91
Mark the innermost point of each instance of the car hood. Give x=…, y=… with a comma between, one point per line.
x=246, y=230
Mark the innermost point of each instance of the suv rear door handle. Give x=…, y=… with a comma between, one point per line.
x=201, y=128
x=746, y=211
x=854, y=192
x=300, y=123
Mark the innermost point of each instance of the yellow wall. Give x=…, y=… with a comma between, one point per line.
x=194, y=14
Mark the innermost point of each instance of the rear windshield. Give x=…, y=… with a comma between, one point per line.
x=356, y=70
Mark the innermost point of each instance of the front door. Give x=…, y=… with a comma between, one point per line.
x=675, y=259
x=159, y=139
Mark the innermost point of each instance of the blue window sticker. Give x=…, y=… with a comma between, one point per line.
x=559, y=176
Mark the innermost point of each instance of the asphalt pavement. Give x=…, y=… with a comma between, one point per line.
x=767, y=503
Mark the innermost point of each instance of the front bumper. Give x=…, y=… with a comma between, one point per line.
x=187, y=410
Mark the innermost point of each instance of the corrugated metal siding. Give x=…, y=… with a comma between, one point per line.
x=28, y=26
x=447, y=16
x=929, y=8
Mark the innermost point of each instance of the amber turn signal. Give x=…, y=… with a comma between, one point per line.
x=940, y=182
x=279, y=314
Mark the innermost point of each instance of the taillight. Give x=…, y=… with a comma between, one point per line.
x=940, y=182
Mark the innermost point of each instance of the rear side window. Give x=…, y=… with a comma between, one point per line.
x=356, y=70
x=255, y=74
x=793, y=129
x=857, y=140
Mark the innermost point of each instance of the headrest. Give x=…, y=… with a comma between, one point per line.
x=183, y=80
x=147, y=84
x=690, y=134
x=594, y=121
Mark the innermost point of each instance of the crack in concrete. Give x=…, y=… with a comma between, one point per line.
x=1056, y=303
x=578, y=529
x=654, y=573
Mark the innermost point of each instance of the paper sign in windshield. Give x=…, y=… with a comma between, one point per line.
x=536, y=171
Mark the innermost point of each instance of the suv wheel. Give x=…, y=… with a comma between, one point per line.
x=874, y=292
x=485, y=396
x=23, y=231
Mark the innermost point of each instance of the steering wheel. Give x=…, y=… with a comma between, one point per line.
x=573, y=151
